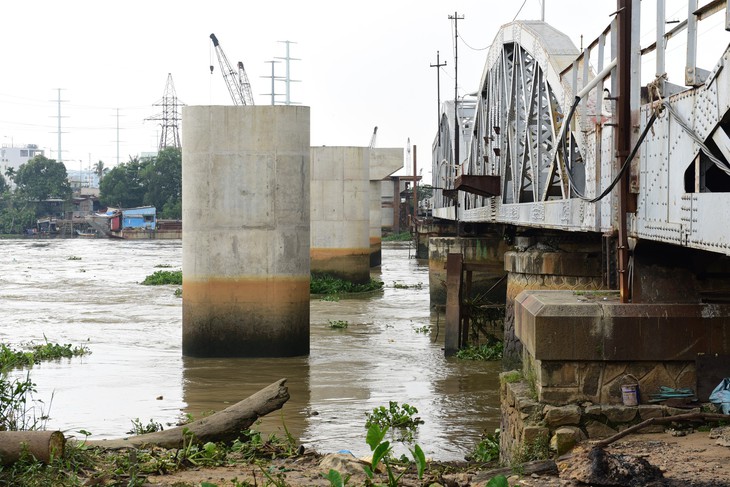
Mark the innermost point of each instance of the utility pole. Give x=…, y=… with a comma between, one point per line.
x=456, y=18
x=415, y=191
x=438, y=94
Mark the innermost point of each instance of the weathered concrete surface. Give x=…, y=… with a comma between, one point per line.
x=583, y=346
x=486, y=250
x=538, y=268
x=340, y=212
x=246, y=236
x=569, y=325
x=383, y=162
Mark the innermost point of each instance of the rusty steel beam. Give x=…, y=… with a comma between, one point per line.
x=454, y=284
x=487, y=186
x=623, y=141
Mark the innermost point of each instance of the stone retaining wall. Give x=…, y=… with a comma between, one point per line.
x=525, y=421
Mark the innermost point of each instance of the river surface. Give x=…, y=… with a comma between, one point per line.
x=87, y=292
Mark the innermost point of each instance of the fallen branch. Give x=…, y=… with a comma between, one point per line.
x=43, y=445
x=668, y=419
x=223, y=426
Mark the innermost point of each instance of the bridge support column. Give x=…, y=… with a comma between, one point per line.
x=340, y=209
x=246, y=233
x=383, y=162
x=540, y=267
x=583, y=349
x=487, y=250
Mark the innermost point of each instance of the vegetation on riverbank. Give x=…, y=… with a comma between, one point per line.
x=398, y=237
x=487, y=351
x=18, y=408
x=328, y=284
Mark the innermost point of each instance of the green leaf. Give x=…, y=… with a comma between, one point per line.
x=498, y=481
x=335, y=478
x=375, y=435
x=368, y=471
x=380, y=451
x=420, y=460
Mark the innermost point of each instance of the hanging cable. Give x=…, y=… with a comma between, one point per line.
x=723, y=166
x=624, y=166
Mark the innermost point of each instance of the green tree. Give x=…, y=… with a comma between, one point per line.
x=124, y=185
x=424, y=191
x=163, y=182
x=16, y=213
x=41, y=178
x=100, y=170
x=4, y=186
x=10, y=173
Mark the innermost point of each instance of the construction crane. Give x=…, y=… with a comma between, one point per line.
x=372, y=140
x=237, y=82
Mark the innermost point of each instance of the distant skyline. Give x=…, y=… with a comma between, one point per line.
x=361, y=65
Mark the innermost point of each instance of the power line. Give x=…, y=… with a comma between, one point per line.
x=520, y=10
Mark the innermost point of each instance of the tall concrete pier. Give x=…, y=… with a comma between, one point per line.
x=340, y=210
x=246, y=233
x=383, y=162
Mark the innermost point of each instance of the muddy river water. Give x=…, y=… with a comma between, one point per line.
x=87, y=292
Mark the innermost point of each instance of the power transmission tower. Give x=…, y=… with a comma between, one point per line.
x=273, y=78
x=59, y=131
x=170, y=116
x=287, y=78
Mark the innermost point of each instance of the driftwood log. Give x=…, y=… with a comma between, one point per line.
x=223, y=426
x=43, y=445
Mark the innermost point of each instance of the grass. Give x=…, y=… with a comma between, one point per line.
x=81, y=465
x=159, y=278
x=488, y=351
x=398, y=237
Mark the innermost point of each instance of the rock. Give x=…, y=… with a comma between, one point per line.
x=563, y=415
x=594, y=466
x=619, y=414
x=565, y=439
x=597, y=430
x=342, y=462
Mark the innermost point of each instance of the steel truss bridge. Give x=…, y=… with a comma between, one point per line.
x=568, y=139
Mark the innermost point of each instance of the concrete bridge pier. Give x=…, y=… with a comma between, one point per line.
x=590, y=363
x=245, y=179
x=383, y=163
x=533, y=265
x=485, y=253
x=340, y=210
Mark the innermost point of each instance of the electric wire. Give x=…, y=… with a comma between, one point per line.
x=520, y=10
x=624, y=166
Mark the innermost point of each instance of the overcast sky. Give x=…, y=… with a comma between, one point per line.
x=363, y=64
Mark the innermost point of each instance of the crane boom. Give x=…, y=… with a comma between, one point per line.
x=245, y=84
x=237, y=83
